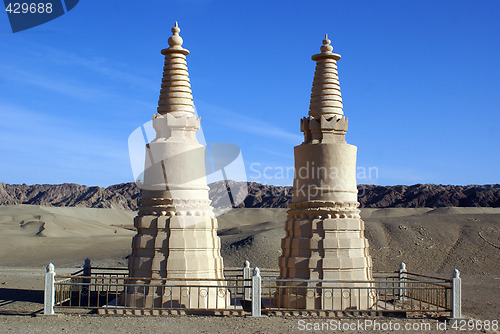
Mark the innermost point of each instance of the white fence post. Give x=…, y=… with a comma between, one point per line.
x=457, y=295
x=246, y=284
x=49, y=297
x=402, y=278
x=256, y=293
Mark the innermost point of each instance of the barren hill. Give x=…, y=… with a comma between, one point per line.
x=127, y=195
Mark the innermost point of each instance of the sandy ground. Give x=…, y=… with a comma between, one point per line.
x=21, y=300
x=429, y=240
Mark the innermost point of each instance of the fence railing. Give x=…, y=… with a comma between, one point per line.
x=90, y=292
x=248, y=291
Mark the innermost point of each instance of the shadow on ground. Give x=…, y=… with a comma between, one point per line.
x=20, y=301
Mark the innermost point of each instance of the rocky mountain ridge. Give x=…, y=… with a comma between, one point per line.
x=251, y=195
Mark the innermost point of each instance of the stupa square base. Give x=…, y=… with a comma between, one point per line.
x=179, y=297
x=183, y=246
x=326, y=296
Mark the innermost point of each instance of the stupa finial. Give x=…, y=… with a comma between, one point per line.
x=175, y=39
x=325, y=97
x=326, y=47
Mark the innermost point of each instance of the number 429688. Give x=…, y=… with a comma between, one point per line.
x=32, y=8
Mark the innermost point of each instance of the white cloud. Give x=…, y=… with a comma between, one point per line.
x=248, y=124
x=50, y=147
x=60, y=86
x=276, y=153
x=51, y=56
x=98, y=65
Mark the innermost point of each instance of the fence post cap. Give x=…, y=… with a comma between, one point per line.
x=256, y=271
x=246, y=264
x=402, y=266
x=456, y=273
x=50, y=268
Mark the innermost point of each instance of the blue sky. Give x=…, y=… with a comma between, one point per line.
x=420, y=82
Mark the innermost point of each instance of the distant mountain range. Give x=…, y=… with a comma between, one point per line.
x=127, y=195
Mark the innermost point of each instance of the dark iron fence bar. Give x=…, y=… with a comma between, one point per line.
x=427, y=276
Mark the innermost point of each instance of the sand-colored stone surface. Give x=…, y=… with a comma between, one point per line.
x=324, y=233
x=176, y=224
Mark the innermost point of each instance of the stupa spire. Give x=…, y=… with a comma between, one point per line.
x=326, y=121
x=325, y=97
x=175, y=94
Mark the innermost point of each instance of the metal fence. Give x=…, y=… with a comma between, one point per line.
x=91, y=292
x=250, y=292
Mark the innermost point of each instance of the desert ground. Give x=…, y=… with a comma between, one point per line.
x=428, y=240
